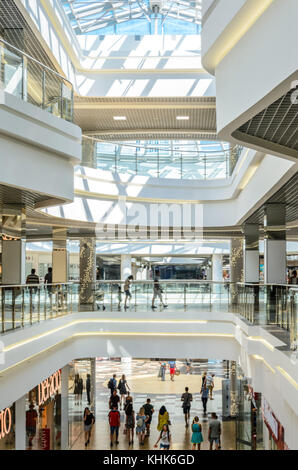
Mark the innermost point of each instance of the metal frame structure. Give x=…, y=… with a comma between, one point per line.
x=87, y=16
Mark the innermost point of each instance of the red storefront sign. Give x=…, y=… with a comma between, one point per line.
x=275, y=428
x=45, y=439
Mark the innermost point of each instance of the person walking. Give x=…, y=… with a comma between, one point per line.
x=210, y=385
x=130, y=422
x=32, y=279
x=114, y=422
x=186, y=399
x=157, y=290
x=172, y=365
x=197, y=436
x=88, y=388
x=112, y=384
x=31, y=421
x=89, y=420
x=127, y=290
x=114, y=400
x=76, y=388
x=128, y=400
x=80, y=390
x=48, y=279
x=214, y=431
x=163, y=418
x=164, y=438
x=204, y=378
x=141, y=425
x=163, y=368
x=205, y=394
x=122, y=387
x=149, y=410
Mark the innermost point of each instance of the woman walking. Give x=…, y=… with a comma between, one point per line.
x=130, y=422
x=163, y=418
x=164, y=438
x=89, y=420
x=141, y=425
x=196, y=437
x=122, y=387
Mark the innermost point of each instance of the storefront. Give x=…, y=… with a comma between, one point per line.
x=274, y=434
x=7, y=428
x=43, y=414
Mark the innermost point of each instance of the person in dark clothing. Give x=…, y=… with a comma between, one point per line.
x=89, y=420
x=48, y=279
x=114, y=400
x=32, y=278
x=88, y=388
x=149, y=410
x=112, y=385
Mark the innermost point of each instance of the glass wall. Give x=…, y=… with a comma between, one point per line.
x=177, y=159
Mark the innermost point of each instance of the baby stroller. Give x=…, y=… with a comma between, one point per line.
x=99, y=299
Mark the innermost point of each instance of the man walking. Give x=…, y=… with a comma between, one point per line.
x=214, y=431
x=112, y=385
x=186, y=399
x=205, y=393
x=114, y=422
x=88, y=388
x=157, y=290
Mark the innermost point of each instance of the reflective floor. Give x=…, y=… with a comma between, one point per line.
x=143, y=381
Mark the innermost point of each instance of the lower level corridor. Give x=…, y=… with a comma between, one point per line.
x=142, y=378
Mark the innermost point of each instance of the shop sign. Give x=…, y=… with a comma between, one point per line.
x=5, y=422
x=45, y=438
x=49, y=387
x=270, y=419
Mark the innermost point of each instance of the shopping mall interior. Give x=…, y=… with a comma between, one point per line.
x=149, y=225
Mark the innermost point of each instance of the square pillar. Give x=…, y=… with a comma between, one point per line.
x=20, y=423
x=275, y=249
x=13, y=244
x=251, y=253
x=60, y=255
x=64, y=408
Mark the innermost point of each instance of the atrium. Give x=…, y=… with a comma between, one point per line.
x=149, y=226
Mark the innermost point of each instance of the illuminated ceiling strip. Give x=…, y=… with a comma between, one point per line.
x=261, y=340
x=243, y=25
x=260, y=358
x=288, y=377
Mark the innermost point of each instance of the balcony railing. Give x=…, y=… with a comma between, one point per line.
x=275, y=305
x=25, y=77
x=165, y=159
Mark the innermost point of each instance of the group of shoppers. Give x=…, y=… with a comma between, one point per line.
x=141, y=421
x=79, y=387
x=171, y=365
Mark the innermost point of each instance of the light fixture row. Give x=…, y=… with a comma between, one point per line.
x=123, y=118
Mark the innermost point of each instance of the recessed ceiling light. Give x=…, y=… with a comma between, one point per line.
x=119, y=118
x=182, y=118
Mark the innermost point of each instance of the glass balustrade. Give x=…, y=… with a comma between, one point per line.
x=25, y=77
x=259, y=304
x=190, y=160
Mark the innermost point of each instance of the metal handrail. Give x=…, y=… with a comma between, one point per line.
x=35, y=60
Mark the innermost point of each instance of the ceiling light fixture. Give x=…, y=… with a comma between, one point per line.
x=182, y=118
x=119, y=118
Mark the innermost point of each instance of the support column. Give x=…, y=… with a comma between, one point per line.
x=126, y=268
x=236, y=266
x=216, y=271
x=233, y=390
x=89, y=152
x=20, y=423
x=64, y=408
x=60, y=255
x=275, y=249
x=87, y=272
x=93, y=384
x=13, y=244
x=251, y=253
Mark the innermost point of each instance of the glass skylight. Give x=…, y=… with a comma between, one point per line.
x=136, y=17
